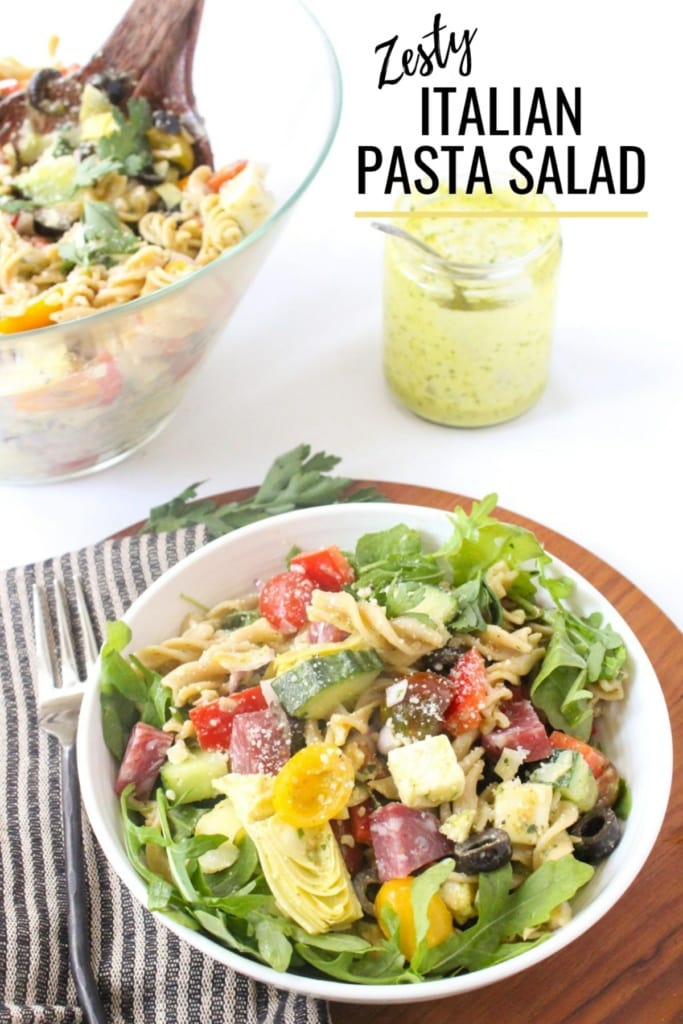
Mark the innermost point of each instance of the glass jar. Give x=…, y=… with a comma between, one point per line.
x=467, y=333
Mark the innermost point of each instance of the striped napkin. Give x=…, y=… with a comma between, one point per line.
x=145, y=973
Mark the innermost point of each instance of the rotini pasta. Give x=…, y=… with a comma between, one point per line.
x=400, y=641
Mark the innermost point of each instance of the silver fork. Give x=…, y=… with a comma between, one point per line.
x=58, y=708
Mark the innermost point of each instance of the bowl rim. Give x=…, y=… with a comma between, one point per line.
x=336, y=81
x=359, y=993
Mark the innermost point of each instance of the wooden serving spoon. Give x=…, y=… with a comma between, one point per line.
x=150, y=53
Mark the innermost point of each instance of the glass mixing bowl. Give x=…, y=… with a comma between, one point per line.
x=80, y=396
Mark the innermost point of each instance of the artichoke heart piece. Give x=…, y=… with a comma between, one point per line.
x=303, y=867
x=251, y=796
x=306, y=874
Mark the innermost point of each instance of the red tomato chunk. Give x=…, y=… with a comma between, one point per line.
x=469, y=699
x=144, y=756
x=284, y=599
x=421, y=709
x=327, y=568
x=360, y=822
x=351, y=851
x=213, y=722
x=596, y=761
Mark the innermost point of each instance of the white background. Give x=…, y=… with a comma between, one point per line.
x=597, y=459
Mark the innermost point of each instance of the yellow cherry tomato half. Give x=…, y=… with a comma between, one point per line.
x=37, y=314
x=313, y=786
x=397, y=894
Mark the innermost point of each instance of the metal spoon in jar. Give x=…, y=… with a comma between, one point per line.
x=453, y=296
x=394, y=229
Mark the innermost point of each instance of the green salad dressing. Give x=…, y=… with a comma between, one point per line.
x=467, y=338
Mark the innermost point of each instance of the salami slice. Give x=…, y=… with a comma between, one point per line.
x=259, y=744
x=144, y=756
x=405, y=839
x=525, y=732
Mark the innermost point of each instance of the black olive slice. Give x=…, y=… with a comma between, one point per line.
x=85, y=150
x=51, y=222
x=148, y=176
x=166, y=121
x=37, y=91
x=441, y=660
x=598, y=832
x=117, y=86
x=366, y=884
x=483, y=851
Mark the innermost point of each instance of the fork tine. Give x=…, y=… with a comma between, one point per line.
x=89, y=641
x=70, y=675
x=44, y=657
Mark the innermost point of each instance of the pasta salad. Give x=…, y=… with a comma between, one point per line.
x=383, y=764
x=110, y=206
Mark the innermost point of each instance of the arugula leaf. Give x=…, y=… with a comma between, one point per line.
x=559, y=688
x=155, y=710
x=119, y=690
x=337, y=942
x=273, y=946
x=128, y=691
x=390, y=558
x=479, y=540
x=98, y=237
x=382, y=964
x=478, y=607
x=127, y=149
x=504, y=914
x=235, y=878
x=296, y=479
x=425, y=886
x=581, y=651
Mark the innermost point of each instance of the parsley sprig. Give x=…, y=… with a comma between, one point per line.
x=99, y=237
x=128, y=147
x=296, y=479
x=125, y=150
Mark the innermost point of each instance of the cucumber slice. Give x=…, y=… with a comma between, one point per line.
x=569, y=773
x=51, y=180
x=314, y=688
x=440, y=605
x=190, y=780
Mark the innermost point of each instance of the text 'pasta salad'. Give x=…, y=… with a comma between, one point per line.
x=384, y=764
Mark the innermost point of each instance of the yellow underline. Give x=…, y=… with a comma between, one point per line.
x=500, y=213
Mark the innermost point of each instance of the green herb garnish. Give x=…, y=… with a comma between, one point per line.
x=99, y=238
x=296, y=479
x=128, y=148
x=91, y=170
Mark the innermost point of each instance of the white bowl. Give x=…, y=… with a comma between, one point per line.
x=229, y=567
